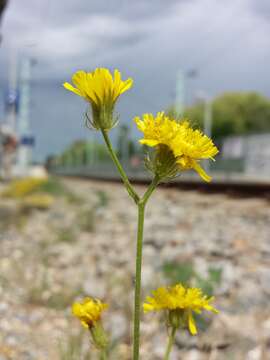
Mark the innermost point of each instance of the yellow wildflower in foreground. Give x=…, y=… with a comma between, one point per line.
x=187, y=145
x=180, y=302
x=89, y=311
x=101, y=90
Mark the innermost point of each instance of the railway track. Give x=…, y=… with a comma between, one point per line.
x=234, y=184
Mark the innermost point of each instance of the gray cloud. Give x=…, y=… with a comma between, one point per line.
x=227, y=42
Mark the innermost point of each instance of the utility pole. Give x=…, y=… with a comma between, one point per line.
x=207, y=118
x=207, y=123
x=3, y=4
x=180, y=93
x=26, y=139
x=181, y=96
x=8, y=139
x=12, y=92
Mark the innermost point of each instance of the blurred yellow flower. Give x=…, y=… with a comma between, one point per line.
x=21, y=187
x=37, y=201
x=89, y=311
x=101, y=90
x=181, y=302
x=188, y=145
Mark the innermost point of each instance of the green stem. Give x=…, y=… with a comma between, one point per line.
x=170, y=343
x=137, y=300
x=141, y=208
x=103, y=355
x=150, y=190
x=124, y=177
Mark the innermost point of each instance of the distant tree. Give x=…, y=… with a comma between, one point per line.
x=234, y=113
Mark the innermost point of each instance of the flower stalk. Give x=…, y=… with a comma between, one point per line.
x=120, y=169
x=176, y=148
x=170, y=343
x=103, y=355
x=141, y=203
x=137, y=299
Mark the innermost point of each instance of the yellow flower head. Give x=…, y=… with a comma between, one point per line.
x=187, y=145
x=89, y=311
x=101, y=90
x=23, y=187
x=181, y=301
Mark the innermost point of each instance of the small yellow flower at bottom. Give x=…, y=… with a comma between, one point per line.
x=180, y=302
x=89, y=311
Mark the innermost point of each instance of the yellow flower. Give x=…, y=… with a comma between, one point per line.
x=101, y=90
x=22, y=187
x=180, y=302
x=187, y=145
x=38, y=201
x=89, y=311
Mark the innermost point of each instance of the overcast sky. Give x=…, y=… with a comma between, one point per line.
x=228, y=42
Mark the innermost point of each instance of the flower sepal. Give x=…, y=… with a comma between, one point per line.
x=100, y=117
x=162, y=163
x=175, y=318
x=99, y=336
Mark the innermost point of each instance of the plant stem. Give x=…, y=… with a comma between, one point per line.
x=150, y=190
x=137, y=300
x=170, y=343
x=141, y=203
x=103, y=355
x=124, y=177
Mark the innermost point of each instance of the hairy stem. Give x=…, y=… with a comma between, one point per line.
x=103, y=355
x=122, y=173
x=137, y=299
x=170, y=343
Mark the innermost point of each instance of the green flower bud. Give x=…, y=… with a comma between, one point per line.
x=162, y=163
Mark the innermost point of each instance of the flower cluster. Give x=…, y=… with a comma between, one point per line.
x=177, y=147
x=180, y=302
x=101, y=90
x=188, y=146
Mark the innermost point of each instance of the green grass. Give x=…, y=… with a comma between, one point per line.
x=37, y=294
x=66, y=235
x=86, y=219
x=186, y=274
x=55, y=187
x=103, y=199
x=73, y=348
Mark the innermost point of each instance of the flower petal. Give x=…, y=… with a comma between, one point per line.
x=201, y=172
x=191, y=324
x=69, y=87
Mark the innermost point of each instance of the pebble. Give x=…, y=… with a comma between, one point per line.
x=41, y=274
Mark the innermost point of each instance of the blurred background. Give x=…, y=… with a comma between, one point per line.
x=66, y=234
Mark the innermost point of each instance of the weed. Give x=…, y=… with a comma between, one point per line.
x=39, y=293
x=73, y=348
x=86, y=220
x=186, y=274
x=66, y=235
x=103, y=199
